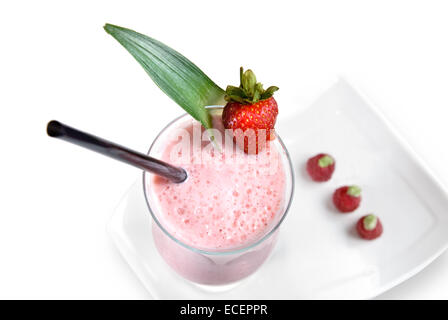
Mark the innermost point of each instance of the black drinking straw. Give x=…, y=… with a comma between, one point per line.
x=59, y=130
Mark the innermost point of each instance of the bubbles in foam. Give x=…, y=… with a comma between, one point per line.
x=221, y=208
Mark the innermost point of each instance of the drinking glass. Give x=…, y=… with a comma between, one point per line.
x=221, y=266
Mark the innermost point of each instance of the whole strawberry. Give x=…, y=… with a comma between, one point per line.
x=369, y=227
x=320, y=167
x=347, y=198
x=250, y=112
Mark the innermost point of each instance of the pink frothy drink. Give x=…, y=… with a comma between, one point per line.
x=221, y=224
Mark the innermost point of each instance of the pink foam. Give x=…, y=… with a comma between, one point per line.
x=223, y=204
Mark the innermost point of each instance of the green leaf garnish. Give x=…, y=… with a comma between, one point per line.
x=174, y=74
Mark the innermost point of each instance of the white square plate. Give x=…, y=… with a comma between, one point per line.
x=319, y=254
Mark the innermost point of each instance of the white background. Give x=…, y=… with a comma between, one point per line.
x=56, y=62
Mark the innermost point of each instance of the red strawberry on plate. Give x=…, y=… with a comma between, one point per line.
x=347, y=198
x=250, y=112
x=320, y=167
x=369, y=227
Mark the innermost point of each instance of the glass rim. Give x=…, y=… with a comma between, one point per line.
x=230, y=251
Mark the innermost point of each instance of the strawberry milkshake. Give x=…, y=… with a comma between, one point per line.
x=220, y=224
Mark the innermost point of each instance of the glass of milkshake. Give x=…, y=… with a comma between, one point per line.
x=221, y=224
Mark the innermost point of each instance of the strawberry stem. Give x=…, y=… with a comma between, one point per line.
x=370, y=222
x=325, y=161
x=354, y=191
x=250, y=91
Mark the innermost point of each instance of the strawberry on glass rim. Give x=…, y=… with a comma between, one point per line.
x=250, y=112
